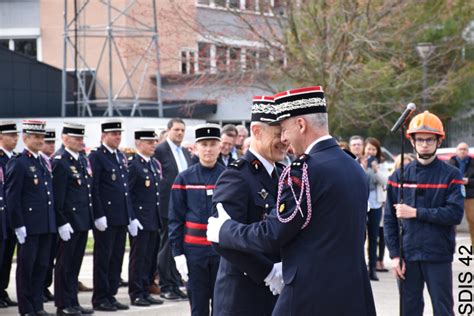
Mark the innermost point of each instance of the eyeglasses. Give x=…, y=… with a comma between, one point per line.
x=427, y=141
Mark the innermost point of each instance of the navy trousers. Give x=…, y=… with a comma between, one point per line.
x=373, y=223
x=6, y=263
x=68, y=265
x=32, y=265
x=109, y=248
x=202, y=277
x=140, y=262
x=439, y=281
x=170, y=279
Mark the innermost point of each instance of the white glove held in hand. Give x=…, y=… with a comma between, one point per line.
x=101, y=223
x=182, y=266
x=65, y=231
x=20, y=234
x=215, y=223
x=134, y=226
x=274, y=279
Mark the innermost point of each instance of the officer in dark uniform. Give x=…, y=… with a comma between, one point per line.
x=47, y=152
x=29, y=191
x=72, y=183
x=8, y=141
x=248, y=189
x=190, y=206
x=319, y=220
x=143, y=182
x=112, y=213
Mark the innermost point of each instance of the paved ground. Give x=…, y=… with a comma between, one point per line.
x=385, y=292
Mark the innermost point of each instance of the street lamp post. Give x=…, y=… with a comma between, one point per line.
x=425, y=50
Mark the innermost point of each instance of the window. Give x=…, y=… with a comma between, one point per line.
x=250, y=60
x=251, y=5
x=25, y=46
x=221, y=58
x=205, y=2
x=263, y=58
x=234, y=4
x=188, y=62
x=234, y=59
x=204, y=55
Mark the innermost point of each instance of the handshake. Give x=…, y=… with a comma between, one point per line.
x=274, y=279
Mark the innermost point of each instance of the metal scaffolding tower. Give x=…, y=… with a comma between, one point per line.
x=119, y=25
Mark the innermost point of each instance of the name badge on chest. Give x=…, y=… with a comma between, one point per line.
x=209, y=192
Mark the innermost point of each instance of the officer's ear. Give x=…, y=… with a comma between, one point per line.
x=256, y=130
x=302, y=124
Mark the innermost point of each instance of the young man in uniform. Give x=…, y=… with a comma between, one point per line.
x=248, y=191
x=72, y=183
x=112, y=213
x=8, y=141
x=429, y=213
x=190, y=207
x=30, y=198
x=143, y=182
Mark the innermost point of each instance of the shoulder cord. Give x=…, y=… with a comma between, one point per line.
x=286, y=177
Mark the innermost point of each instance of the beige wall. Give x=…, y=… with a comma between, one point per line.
x=174, y=34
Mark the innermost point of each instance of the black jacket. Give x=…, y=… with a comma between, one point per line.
x=170, y=170
x=468, y=173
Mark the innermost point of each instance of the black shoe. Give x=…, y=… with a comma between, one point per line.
x=49, y=296
x=123, y=283
x=154, y=301
x=43, y=313
x=84, y=311
x=68, y=311
x=140, y=302
x=9, y=301
x=3, y=304
x=171, y=295
x=180, y=293
x=29, y=314
x=106, y=307
x=373, y=275
x=120, y=305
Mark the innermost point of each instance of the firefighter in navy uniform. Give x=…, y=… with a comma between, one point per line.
x=143, y=183
x=248, y=190
x=112, y=213
x=30, y=198
x=190, y=206
x=8, y=141
x=73, y=204
x=432, y=207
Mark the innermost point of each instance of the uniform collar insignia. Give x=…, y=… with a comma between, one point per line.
x=263, y=193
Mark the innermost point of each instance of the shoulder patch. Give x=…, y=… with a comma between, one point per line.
x=237, y=164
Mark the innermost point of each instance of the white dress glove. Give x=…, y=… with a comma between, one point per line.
x=182, y=266
x=134, y=226
x=274, y=279
x=65, y=231
x=21, y=234
x=215, y=223
x=101, y=223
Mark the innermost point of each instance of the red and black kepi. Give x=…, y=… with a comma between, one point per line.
x=300, y=101
x=263, y=109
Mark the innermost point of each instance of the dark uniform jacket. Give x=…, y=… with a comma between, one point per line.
x=72, y=184
x=468, y=173
x=435, y=191
x=324, y=268
x=3, y=209
x=248, y=194
x=170, y=170
x=109, y=189
x=190, y=208
x=144, y=182
x=29, y=191
x=4, y=225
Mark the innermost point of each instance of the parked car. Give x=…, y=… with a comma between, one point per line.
x=446, y=153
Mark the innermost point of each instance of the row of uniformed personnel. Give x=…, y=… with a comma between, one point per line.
x=70, y=194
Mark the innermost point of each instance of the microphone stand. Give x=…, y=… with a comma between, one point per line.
x=400, y=222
